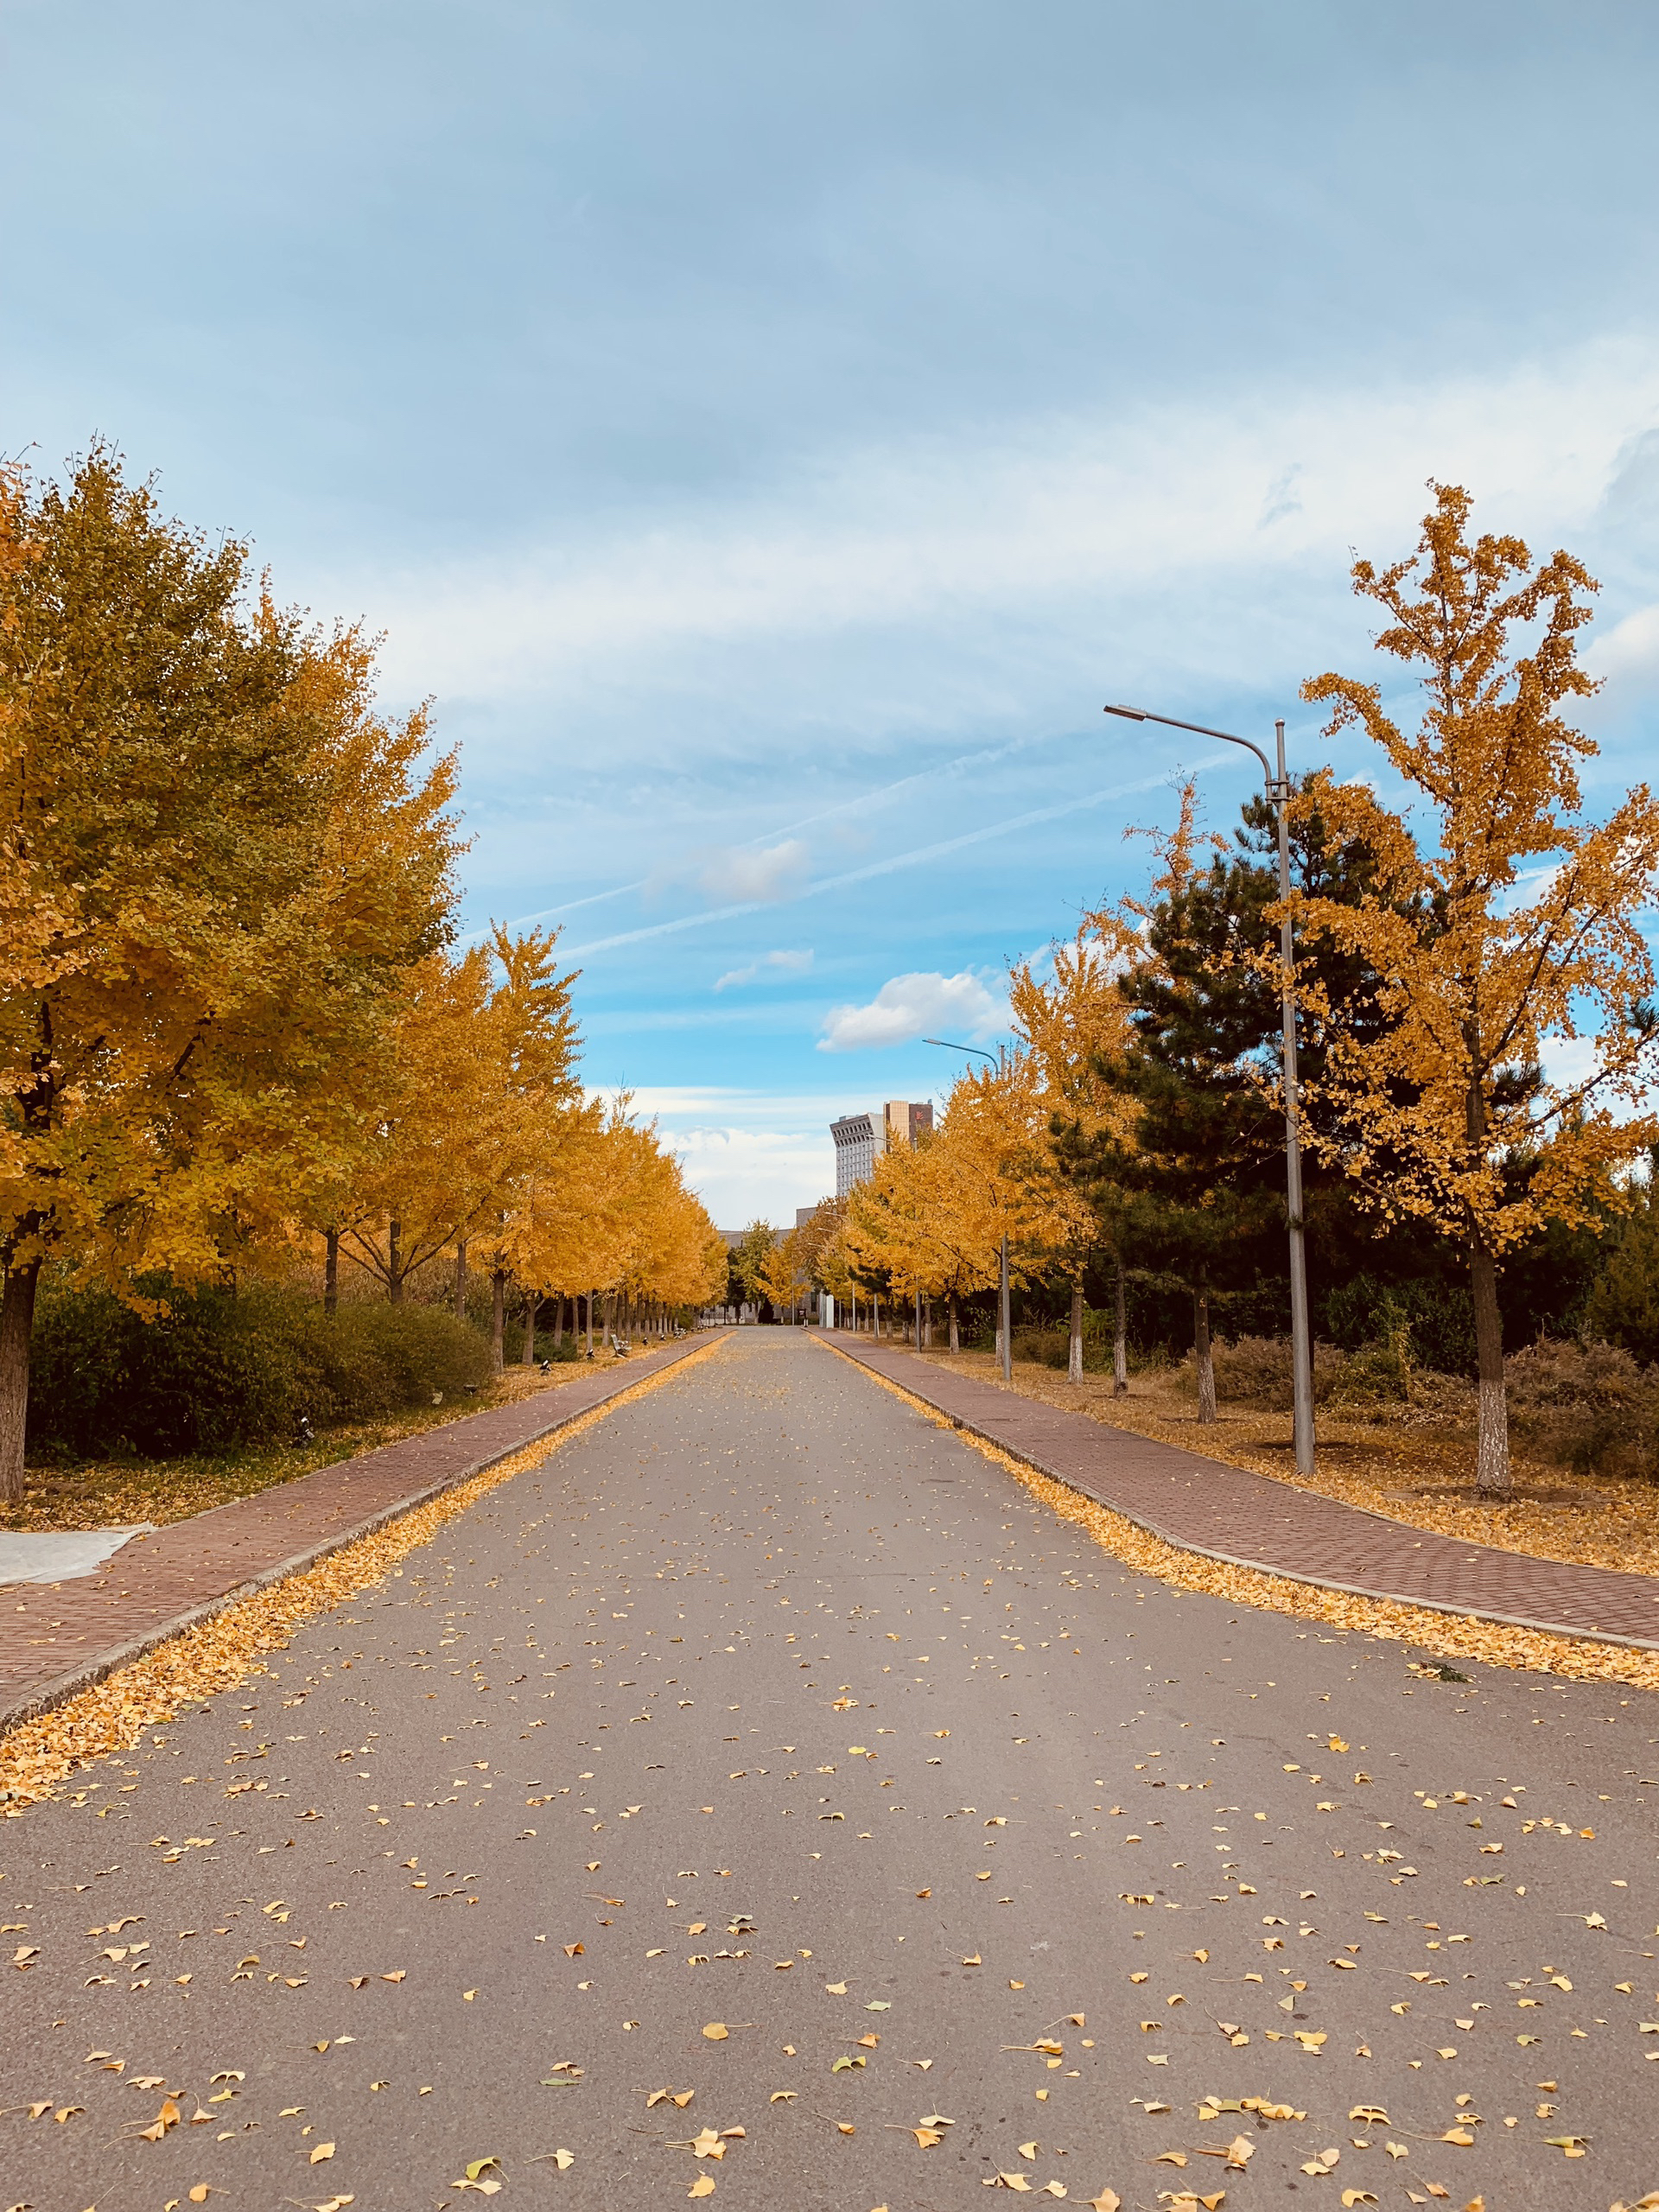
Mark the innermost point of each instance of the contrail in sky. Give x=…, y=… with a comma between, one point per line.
x=913, y=859
x=984, y=758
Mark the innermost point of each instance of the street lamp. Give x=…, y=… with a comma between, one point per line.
x=1004, y=1332
x=1301, y=1359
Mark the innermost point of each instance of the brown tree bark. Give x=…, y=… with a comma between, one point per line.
x=530, y=1304
x=394, y=1264
x=1492, y=1477
x=1207, y=1361
x=1074, y=1354
x=558, y=1322
x=461, y=1278
x=955, y=1333
x=498, y=1320
x=331, y=1271
x=17, y=1323
x=590, y=1324
x=1120, y=1341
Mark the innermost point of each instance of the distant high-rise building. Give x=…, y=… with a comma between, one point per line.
x=861, y=1139
x=907, y=1122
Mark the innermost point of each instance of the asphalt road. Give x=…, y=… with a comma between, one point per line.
x=785, y=1754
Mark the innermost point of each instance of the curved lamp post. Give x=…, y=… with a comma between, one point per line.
x=1301, y=1358
x=1003, y=1329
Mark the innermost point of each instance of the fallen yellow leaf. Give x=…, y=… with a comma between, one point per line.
x=717, y=2032
x=704, y=2186
x=323, y=2151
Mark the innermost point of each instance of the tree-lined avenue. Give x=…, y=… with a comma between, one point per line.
x=784, y=1751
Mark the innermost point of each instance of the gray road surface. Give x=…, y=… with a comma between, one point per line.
x=769, y=1706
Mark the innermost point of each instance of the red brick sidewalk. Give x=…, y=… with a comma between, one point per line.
x=55, y=1638
x=1247, y=1520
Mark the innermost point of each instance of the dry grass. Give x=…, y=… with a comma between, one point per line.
x=1407, y=1474
x=1449, y=1635
x=37, y=1755
x=116, y=1493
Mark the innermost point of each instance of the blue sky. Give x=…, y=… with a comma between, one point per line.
x=770, y=434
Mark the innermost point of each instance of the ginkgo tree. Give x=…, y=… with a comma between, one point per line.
x=219, y=863
x=1075, y=1025
x=1504, y=940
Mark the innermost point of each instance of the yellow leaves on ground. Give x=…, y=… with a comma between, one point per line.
x=323, y=2150
x=704, y=2186
x=477, y=2176
x=717, y=2032
x=167, y=2117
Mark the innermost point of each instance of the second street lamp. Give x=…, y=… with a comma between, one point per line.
x=1301, y=1355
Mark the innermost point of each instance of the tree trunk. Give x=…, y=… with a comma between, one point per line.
x=1206, y=1362
x=394, y=1264
x=531, y=1302
x=590, y=1303
x=559, y=1321
x=955, y=1335
x=498, y=1320
x=461, y=1278
x=17, y=1323
x=1074, y=1356
x=1492, y=1446
x=918, y=1320
x=1120, y=1341
x=331, y=1272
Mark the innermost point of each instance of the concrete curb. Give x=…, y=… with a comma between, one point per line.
x=1179, y=1542
x=87, y=1672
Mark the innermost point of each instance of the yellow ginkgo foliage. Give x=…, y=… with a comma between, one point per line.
x=217, y=863
x=1505, y=942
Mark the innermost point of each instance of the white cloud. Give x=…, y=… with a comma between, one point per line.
x=1144, y=503
x=740, y=875
x=784, y=963
x=1628, y=655
x=908, y=1007
x=746, y=1174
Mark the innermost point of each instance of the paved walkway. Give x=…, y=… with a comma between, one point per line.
x=1247, y=1519
x=865, y=1764
x=55, y=1638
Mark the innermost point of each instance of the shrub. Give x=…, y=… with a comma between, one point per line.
x=218, y=1371
x=1624, y=1302
x=1255, y=1372
x=1588, y=1407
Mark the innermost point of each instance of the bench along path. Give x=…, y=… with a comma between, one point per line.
x=56, y=1638
x=1247, y=1520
